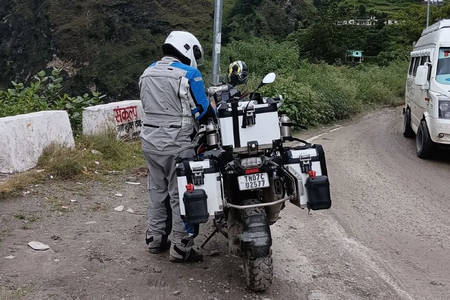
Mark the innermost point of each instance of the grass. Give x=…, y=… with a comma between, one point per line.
x=92, y=158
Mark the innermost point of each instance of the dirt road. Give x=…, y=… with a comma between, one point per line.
x=387, y=235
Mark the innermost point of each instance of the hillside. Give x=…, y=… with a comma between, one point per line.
x=106, y=44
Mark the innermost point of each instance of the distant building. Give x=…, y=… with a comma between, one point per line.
x=354, y=56
x=434, y=2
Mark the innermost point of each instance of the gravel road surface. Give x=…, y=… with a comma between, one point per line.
x=387, y=235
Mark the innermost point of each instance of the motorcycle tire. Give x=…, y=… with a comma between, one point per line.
x=258, y=271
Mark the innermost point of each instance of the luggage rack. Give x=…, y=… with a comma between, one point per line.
x=256, y=205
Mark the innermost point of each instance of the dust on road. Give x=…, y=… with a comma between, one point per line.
x=386, y=236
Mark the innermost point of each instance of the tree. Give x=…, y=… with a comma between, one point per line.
x=362, y=11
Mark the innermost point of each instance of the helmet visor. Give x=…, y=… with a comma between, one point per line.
x=198, y=54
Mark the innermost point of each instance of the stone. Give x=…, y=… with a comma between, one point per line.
x=119, y=208
x=38, y=246
x=96, y=152
x=130, y=210
x=10, y=257
x=132, y=183
x=123, y=117
x=24, y=137
x=90, y=222
x=176, y=293
x=118, y=195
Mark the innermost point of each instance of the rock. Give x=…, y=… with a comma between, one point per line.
x=123, y=117
x=90, y=222
x=96, y=162
x=132, y=183
x=24, y=138
x=64, y=207
x=119, y=208
x=130, y=210
x=96, y=152
x=176, y=293
x=227, y=291
x=56, y=260
x=55, y=237
x=191, y=279
x=73, y=200
x=10, y=257
x=38, y=246
x=118, y=195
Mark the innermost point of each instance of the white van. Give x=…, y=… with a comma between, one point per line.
x=427, y=108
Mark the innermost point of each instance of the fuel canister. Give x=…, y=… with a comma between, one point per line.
x=285, y=127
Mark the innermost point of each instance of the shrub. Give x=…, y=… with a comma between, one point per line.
x=45, y=92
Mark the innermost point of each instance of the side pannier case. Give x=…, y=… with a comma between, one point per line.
x=309, y=167
x=205, y=199
x=248, y=122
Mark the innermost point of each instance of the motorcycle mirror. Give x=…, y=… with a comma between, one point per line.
x=269, y=78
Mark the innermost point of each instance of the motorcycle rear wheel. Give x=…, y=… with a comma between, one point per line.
x=258, y=271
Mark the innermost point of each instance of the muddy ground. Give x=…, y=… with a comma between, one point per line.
x=387, y=235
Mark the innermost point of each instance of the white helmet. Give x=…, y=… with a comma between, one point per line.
x=187, y=45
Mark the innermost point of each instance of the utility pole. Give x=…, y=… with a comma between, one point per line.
x=217, y=41
x=428, y=13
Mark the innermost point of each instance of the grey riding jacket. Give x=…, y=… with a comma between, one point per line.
x=173, y=98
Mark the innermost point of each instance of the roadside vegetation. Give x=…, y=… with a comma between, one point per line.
x=45, y=92
x=318, y=93
x=93, y=158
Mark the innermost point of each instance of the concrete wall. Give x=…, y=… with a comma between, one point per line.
x=124, y=117
x=24, y=137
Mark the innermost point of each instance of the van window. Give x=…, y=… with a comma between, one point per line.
x=411, y=66
x=424, y=59
x=416, y=65
x=443, y=67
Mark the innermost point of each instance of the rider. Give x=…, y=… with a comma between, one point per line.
x=174, y=99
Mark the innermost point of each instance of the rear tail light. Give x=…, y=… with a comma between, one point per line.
x=251, y=171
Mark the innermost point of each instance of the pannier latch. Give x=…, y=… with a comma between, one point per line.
x=305, y=163
x=252, y=147
x=250, y=117
x=198, y=176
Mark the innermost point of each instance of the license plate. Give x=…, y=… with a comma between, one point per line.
x=253, y=181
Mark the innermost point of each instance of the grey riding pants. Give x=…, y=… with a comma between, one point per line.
x=163, y=203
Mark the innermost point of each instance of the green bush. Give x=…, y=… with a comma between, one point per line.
x=45, y=92
x=320, y=93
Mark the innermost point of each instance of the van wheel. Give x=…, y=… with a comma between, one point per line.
x=424, y=144
x=407, y=130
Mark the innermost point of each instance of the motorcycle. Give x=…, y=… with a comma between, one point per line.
x=247, y=166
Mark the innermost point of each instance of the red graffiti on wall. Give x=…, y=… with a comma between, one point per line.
x=125, y=114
